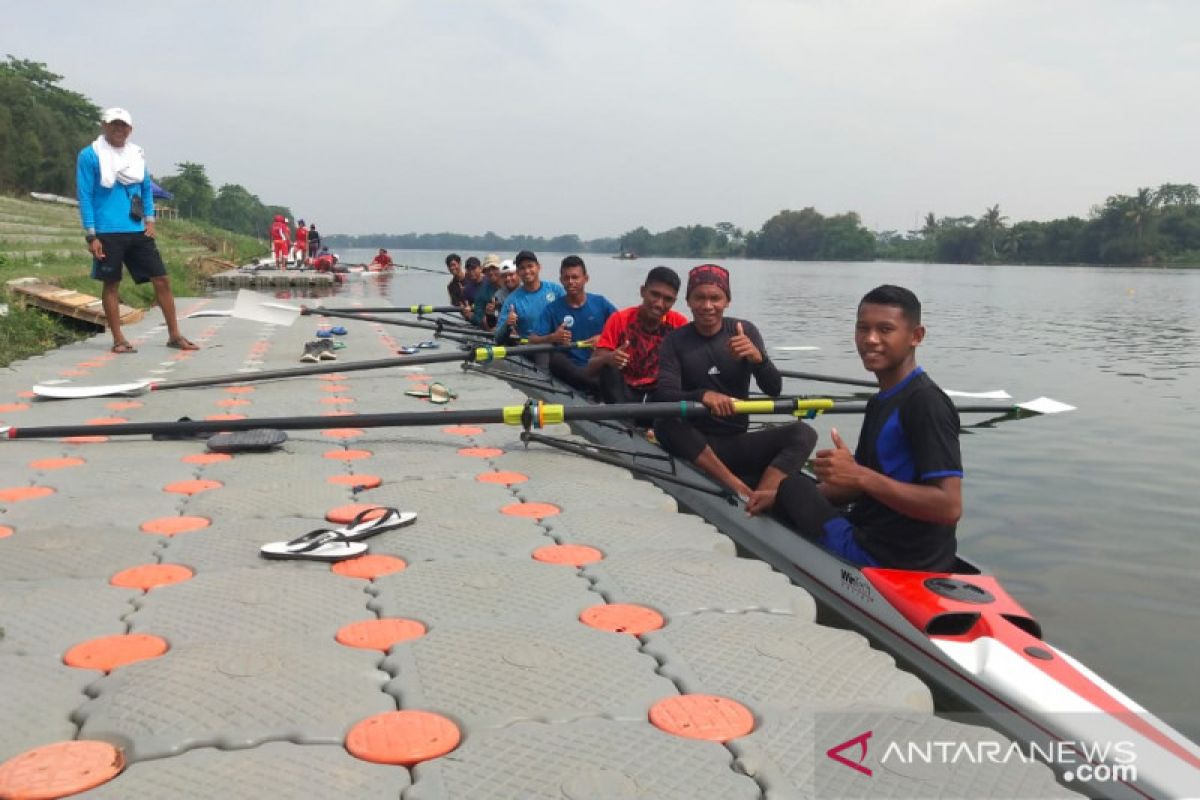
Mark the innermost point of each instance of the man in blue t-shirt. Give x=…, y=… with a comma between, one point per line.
x=576, y=317
x=524, y=306
x=905, y=479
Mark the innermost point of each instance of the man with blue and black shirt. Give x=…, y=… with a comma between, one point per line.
x=576, y=317
x=904, y=482
x=524, y=306
x=116, y=206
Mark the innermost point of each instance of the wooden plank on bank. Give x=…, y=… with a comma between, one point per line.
x=67, y=302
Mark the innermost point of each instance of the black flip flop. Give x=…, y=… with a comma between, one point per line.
x=172, y=437
x=255, y=441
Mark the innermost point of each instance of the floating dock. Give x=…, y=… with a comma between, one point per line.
x=549, y=627
x=267, y=278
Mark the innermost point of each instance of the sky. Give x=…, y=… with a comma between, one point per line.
x=596, y=116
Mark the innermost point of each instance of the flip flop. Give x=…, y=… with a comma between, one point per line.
x=324, y=333
x=407, y=351
x=338, y=330
x=318, y=545
x=361, y=528
x=436, y=393
x=253, y=441
x=182, y=343
x=428, y=345
x=123, y=347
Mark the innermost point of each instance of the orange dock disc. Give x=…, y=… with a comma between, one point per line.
x=15, y=494
x=123, y=405
x=575, y=555
x=702, y=716
x=47, y=464
x=192, y=487
x=345, y=514
x=404, y=738
x=417, y=377
x=107, y=421
x=379, y=634
x=109, y=652
x=342, y=433
x=336, y=401
x=170, y=526
x=481, y=452
x=535, y=510
x=359, y=481
x=59, y=769
x=232, y=402
x=334, y=387
x=348, y=455
x=206, y=458
x=8, y=408
x=622, y=618
x=239, y=389
x=149, y=576
x=84, y=439
x=335, y=377
x=224, y=417
x=5, y=531
x=506, y=478
x=369, y=567
x=463, y=430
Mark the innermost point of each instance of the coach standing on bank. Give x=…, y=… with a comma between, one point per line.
x=116, y=205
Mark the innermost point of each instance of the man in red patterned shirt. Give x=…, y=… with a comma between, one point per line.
x=625, y=363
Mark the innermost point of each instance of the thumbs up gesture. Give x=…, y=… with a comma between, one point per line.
x=743, y=347
x=837, y=466
x=620, y=356
x=512, y=318
x=562, y=336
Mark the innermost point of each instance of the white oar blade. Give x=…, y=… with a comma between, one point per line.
x=1045, y=405
x=211, y=312
x=262, y=308
x=53, y=392
x=995, y=394
x=798, y=348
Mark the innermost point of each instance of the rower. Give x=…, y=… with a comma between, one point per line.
x=905, y=478
x=381, y=262
x=711, y=360
x=524, y=306
x=483, y=313
x=577, y=317
x=625, y=363
x=472, y=283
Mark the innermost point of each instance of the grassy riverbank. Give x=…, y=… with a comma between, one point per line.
x=44, y=240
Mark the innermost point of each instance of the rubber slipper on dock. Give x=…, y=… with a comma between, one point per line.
x=252, y=441
x=371, y=521
x=318, y=545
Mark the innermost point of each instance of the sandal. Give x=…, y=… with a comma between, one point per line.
x=182, y=343
x=318, y=545
x=123, y=347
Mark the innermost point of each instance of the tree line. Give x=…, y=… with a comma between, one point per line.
x=1150, y=226
x=231, y=207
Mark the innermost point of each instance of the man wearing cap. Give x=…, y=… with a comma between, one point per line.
x=576, y=317
x=484, y=307
x=116, y=206
x=280, y=243
x=472, y=282
x=711, y=360
x=524, y=306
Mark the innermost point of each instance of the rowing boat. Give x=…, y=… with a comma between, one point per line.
x=961, y=631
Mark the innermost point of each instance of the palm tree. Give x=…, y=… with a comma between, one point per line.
x=930, y=228
x=1141, y=210
x=993, y=222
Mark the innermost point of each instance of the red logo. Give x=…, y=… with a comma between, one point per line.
x=835, y=753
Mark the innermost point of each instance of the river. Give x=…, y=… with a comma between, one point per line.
x=1090, y=518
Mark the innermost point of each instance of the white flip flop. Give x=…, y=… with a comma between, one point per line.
x=318, y=545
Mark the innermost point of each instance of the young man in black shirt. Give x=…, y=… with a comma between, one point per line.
x=711, y=360
x=905, y=478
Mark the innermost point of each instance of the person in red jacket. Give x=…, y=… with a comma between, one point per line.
x=300, y=249
x=280, y=241
x=381, y=262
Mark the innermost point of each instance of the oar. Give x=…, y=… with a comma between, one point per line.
x=993, y=394
x=407, y=323
x=529, y=415
x=390, y=310
x=477, y=354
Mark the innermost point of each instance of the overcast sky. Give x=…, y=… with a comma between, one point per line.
x=595, y=116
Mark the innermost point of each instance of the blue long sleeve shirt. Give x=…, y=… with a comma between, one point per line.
x=106, y=210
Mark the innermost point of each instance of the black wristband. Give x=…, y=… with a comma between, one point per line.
x=91, y=237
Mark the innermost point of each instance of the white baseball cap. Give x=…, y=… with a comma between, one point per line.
x=115, y=114
x=507, y=266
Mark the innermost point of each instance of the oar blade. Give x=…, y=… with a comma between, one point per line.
x=994, y=394
x=1045, y=405
x=263, y=308
x=68, y=392
x=211, y=312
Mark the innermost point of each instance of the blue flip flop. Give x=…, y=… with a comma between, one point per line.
x=324, y=333
x=338, y=330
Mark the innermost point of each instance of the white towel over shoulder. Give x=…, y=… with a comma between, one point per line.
x=126, y=165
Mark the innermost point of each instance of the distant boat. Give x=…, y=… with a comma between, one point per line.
x=626, y=256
